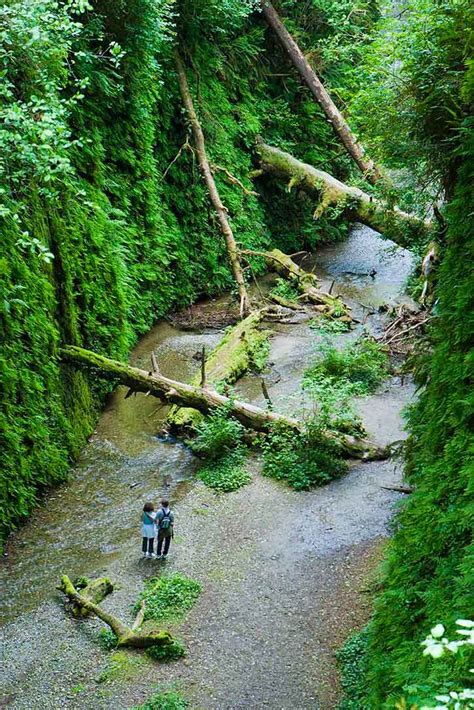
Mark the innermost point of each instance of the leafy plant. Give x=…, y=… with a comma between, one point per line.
x=217, y=435
x=108, y=639
x=352, y=660
x=301, y=460
x=169, y=597
x=357, y=370
x=329, y=326
x=170, y=652
x=227, y=473
x=285, y=289
x=164, y=700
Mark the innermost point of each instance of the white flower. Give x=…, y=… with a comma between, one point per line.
x=437, y=631
x=465, y=622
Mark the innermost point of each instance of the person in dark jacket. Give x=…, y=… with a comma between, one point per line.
x=164, y=522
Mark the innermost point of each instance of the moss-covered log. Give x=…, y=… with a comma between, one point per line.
x=305, y=282
x=402, y=227
x=95, y=591
x=126, y=636
x=336, y=119
x=243, y=347
x=207, y=400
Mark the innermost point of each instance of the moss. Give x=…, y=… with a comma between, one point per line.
x=123, y=666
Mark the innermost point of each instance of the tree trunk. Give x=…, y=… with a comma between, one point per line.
x=221, y=211
x=306, y=283
x=126, y=636
x=95, y=591
x=401, y=227
x=334, y=116
x=207, y=400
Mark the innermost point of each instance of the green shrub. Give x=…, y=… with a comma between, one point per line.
x=170, y=652
x=285, y=289
x=107, y=639
x=164, y=700
x=217, y=434
x=227, y=473
x=357, y=370
x=169, y=597
x=329, y=326
x=352, y=660
x=302, y=460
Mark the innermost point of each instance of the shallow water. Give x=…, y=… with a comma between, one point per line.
x=88, y=526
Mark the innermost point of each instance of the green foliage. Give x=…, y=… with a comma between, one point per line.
x=227, y=473
x=357, y=370
x=102, y=233
x=217, y=435
x=107, y=639
x=169, y=652
x=329, y=326
x=352, y=660
x=169, y=597
x=285, y=289
x=412, y=97
x=164, y=700
x=302, y=460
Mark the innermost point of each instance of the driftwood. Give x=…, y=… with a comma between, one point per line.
x=306, y=282
x=126, y=636
x=394, y=223
x=208, y=400
x=221, y=211
x=309, y=76
x=399, y=489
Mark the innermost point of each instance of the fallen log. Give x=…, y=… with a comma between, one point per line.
x=207, y=401
x=399, y=489
x=240, y=350
x=402, y=227
x=336, y=119
x=221, y=211
x=94, y=591
x=306, y=283
x=126, y=636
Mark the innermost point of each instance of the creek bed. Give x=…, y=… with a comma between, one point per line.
x=261, y=634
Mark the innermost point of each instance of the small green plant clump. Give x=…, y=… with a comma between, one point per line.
x=352, y=660
x=217, y=434
x=166, y=700
x=107, y=639
x=329, y=326
x=285, y=289
x=169, y=597
x=357, y=370
x=171, y=652
x=302, y=460
x=219, y=439
x=227, y=473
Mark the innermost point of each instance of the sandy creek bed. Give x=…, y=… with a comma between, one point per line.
x=284, y=573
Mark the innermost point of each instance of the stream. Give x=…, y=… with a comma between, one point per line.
x=281, y=592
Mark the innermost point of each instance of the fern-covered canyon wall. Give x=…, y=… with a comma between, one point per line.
x=102, y=233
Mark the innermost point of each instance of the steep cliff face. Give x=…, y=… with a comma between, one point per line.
x=105, y=221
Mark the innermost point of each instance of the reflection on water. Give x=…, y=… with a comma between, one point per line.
x=91, y=523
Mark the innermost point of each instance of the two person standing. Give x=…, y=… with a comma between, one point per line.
x=157, y=524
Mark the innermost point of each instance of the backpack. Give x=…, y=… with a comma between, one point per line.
x=165, y=521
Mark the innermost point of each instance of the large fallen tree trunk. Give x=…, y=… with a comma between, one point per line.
x=126, y=636
x=397, y=225
x=306, y=283
x=212, y=188
x=207, y=400
x=336, y=119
